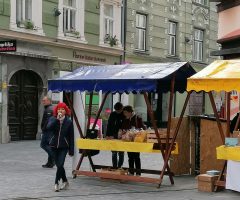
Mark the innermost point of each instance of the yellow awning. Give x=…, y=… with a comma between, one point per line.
x=221, y=75
x=118, y=145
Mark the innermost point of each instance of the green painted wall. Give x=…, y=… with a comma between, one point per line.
x=4, y=14
x=187, y=15
x=92, y=21
x=50, y=22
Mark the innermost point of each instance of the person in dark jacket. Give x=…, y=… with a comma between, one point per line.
x=113, y=126
x=131, y=120
x=46, y=135
x=233, y=123
x=62, y=141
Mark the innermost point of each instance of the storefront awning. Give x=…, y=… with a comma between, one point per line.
x=221, y=75
x=125, y=78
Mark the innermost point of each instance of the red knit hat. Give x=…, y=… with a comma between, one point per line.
x=61, y=105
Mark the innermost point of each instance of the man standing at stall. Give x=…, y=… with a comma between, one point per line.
x=113, y=126
x=46, y=135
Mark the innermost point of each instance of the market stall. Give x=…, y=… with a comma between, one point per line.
x=221, y=75
x=135, y=78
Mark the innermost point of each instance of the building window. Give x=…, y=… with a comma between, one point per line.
x=172, y=38
x=24, y=18
x=71, y=22
x=110, y=23
x=141, y=22
x=23, y=10
x=108, y=20
x=203, y=2
x=198, y=45
x=69, y=15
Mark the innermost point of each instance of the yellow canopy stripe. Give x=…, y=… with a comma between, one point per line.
x=221, y=75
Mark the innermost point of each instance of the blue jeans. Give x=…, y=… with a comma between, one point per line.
x=117, y=159
x=45, y=146
x=59, y=157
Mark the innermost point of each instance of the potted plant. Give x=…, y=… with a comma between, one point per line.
x=28, y=24
x=112, y=40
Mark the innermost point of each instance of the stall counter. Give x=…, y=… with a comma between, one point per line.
x=118, y=145
x=232, y=155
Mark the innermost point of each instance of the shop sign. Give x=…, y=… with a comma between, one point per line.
x=85, y=57
x=8, y=46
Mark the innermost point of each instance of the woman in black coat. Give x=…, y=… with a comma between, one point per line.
x=62, y=141
x=132, y=121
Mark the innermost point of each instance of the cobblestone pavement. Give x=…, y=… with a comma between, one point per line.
x=22, y=177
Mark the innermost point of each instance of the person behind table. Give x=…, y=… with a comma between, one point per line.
x=113, y=126
x=46, y=135
x=131, y=120
x=233, y=123
x=62, y=141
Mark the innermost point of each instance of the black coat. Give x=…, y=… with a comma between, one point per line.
x=233, y=123
x=134, y=121
x=47, y=113
x=114, y=124
x=63, y=134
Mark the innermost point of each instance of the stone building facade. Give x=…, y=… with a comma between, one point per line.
x=53, y=37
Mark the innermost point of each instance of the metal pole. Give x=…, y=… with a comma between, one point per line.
x=170, y=111
x=74, y=116
x=89, y=109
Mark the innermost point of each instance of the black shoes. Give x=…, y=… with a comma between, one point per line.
x=48, y=165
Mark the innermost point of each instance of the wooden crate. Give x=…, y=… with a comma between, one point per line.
x=206, y=182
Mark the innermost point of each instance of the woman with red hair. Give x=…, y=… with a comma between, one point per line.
x=62, y=141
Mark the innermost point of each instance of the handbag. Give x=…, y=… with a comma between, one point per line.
x=90, y=134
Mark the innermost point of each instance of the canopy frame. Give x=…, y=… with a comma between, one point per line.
x=221, y=75
x=166, y=153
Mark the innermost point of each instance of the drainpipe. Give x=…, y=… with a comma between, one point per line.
x=124, y=29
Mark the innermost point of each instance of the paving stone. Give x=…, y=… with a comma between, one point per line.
x=23, y=178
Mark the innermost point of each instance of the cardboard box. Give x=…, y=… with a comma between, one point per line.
x=206, y=182
x=231, y=142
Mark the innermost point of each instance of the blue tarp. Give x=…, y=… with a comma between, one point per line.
x=125, y=78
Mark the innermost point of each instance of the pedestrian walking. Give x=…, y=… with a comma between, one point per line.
x=130, y=121
x=62, y=141
x=46, y=135
x=113, y=126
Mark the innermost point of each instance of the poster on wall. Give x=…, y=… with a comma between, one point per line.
x=56, y=97
x=234, y=104
x=98, y=126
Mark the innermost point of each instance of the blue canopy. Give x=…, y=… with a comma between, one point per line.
x=125, y=78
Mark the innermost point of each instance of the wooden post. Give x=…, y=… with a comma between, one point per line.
x=221, y=134
x=217, y=117
x=151, y=115
x=100, y=109
x=168, y=154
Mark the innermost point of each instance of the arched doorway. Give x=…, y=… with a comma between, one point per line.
x=23, y=92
